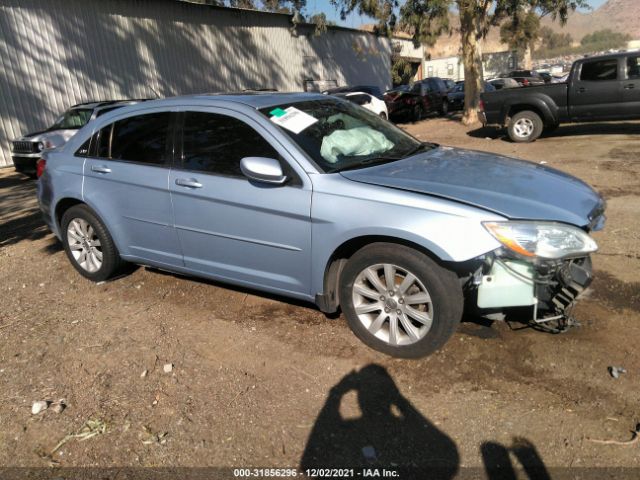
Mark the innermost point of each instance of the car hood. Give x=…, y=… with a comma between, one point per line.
x=516, y=189
x=55, y=137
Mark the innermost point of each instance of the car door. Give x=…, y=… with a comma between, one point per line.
x=595, y=92
x=231, y=228
x=631, y=87
x=125, y=181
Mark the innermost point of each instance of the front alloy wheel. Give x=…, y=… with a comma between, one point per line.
x=399, y=301
x=392, y=304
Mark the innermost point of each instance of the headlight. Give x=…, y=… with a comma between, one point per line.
x=40, y=146
x=542, y=239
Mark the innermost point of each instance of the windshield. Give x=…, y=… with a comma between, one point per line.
x=73, y=119
x=339, y=135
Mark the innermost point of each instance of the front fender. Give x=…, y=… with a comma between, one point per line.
x=450, y=231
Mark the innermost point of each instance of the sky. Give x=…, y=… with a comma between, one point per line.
x=354, y=20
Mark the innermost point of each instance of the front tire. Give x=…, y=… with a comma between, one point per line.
x=525, y=126
x=398, y=301
x=88, y=244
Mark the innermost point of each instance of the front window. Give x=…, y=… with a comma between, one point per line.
x=338, y=135
x=73, y=119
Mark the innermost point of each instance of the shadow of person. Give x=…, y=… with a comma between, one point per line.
x=389, y=433
x=497, y=462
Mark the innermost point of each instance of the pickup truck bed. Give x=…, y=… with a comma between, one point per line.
x=598, y=89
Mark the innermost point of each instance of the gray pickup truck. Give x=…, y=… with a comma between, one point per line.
x=601, y=88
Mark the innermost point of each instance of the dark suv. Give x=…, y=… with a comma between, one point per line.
x=425, y=97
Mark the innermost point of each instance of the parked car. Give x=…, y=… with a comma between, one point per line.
x=500, y=83
x=310, y=197
x=456, y=97
x=598, y=89
x=370, y=89
x=26, y=150
x=425, y=97
x=546, y=76
x=526, y=78
x=450, y=84
x=371, y=103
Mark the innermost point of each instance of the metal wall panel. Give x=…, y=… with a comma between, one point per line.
x=58, y=53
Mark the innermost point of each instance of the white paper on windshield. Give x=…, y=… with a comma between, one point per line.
x=292, y=119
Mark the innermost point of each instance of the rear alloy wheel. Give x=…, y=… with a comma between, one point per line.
x=525, y=126
x=399, y=301
x=88, y=244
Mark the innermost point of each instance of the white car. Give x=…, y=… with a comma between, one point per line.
x=367, y=101
x=26, y=150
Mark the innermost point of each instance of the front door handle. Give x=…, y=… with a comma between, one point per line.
x=188, y=182
x=100, y=169
x=630, y=86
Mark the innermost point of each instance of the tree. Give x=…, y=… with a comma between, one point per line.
x=520, y=33
x=604, y=40
x=522, y=28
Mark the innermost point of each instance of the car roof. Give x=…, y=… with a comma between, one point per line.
x=105, y=103
x=255, y=100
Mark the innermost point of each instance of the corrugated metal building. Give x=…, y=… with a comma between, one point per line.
x=56, y=53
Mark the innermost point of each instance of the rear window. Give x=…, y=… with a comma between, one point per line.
x=599, y=71
x=142, y=139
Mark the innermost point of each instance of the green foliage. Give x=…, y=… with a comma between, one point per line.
x=321, y=23
x=402, y=71
x=520, y=31
x=551, y=40
x=605, y=39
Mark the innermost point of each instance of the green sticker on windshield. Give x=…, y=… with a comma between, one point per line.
x=278, y=112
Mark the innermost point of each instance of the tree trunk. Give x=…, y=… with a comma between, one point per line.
x=527, y=62
x=472, y=60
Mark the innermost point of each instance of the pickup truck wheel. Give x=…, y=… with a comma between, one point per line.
x=398, y=301
x=525, y=126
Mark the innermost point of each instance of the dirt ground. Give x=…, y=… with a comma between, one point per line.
x=259, y=381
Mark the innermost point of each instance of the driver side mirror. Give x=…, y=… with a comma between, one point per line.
x=265, y=170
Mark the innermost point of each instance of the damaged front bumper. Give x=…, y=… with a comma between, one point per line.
x=549, y=287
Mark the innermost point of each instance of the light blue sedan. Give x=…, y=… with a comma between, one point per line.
x=315, y=198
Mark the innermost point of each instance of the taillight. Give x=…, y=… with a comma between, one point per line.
x=40, y=166
x=481, y=106
x=525, y=82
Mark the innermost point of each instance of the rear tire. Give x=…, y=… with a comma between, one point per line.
x=417, y=113
x=412, y=320
x=525, y=126
x=383, y=115
x=88, y=244
x=444, y=110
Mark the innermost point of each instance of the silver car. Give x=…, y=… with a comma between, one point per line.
x=315, y=198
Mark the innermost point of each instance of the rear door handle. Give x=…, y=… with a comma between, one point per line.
x=582, y=90
x=188, y=182
x=630, y=86
x=100, y=169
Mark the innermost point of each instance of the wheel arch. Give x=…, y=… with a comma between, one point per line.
x=328, y=301
x=538, y=106
x=66, y=203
